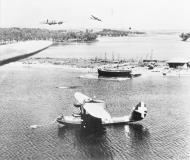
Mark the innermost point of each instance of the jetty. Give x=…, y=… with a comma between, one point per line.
x=17, y=51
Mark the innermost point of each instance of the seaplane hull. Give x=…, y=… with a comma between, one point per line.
x=71, y=120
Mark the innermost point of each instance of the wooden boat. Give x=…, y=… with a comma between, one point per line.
x=114, y=72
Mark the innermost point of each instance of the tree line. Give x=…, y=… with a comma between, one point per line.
x=9, y=35
x=117, y=33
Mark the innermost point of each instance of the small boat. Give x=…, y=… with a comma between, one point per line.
x=135, y=75
x=114, y=72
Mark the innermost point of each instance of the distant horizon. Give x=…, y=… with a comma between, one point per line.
x=115, y=14
x=99, y=29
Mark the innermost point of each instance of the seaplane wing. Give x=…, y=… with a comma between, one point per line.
x=81, y=98
x=97, y=110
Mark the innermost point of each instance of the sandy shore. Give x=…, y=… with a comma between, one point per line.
x=72, y=68
x=21, y=65
x=25, y=63
x=23, y=50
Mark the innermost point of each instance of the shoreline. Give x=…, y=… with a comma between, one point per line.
x=19, y=64
x=91, y=66
x=22, y=51
x=72, y=68
x=93, y=71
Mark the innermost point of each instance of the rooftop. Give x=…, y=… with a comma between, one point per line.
x=179, y=60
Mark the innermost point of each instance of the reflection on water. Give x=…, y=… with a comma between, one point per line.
x=81, y=132
x=95, y=76
x=136, y=132
x=139, y=141
x=102, y=145
x=94, y=145
x=163, y=47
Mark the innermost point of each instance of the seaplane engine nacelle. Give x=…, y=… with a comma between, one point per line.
x=139, y=112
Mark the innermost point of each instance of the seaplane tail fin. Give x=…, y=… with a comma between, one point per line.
x=139, y=112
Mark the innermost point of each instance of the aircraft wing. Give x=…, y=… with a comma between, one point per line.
x=97, y=110
x=95, y=18
x=81, y=98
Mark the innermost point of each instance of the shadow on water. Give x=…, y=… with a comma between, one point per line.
x=103, y=143
x=80, y=132
x=89, y=144
x=139, y=141
x=130, y=141
x=135, y=132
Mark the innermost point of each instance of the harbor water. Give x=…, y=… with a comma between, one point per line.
x=31, y=98
x=162, y=47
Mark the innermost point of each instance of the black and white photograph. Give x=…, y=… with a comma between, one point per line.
x=94, y=80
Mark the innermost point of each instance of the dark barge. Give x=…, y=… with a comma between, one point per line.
x=115, y=72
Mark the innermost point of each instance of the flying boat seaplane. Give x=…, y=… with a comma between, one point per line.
x=93, y=114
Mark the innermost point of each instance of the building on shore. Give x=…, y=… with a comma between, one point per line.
x=177, y=63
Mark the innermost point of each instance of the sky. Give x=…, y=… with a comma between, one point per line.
x=119, y=14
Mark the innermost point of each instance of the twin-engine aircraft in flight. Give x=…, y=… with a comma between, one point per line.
x=53, y=22
x=95, y=18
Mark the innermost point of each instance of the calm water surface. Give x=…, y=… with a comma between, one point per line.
x=31, y=96
x=161, y=46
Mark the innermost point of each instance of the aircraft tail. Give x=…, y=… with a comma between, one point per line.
x=139, y=112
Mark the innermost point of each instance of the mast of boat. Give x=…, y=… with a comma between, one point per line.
x=118, y=58
x=151, y=54
x=105, y=57
x=113, y=58
x=147, y=56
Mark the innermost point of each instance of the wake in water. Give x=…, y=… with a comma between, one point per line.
x=42, y=125
x=91, y=76
x=68, y=87
x=34, y=126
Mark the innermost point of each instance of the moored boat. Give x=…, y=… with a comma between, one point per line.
x=112, y=72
